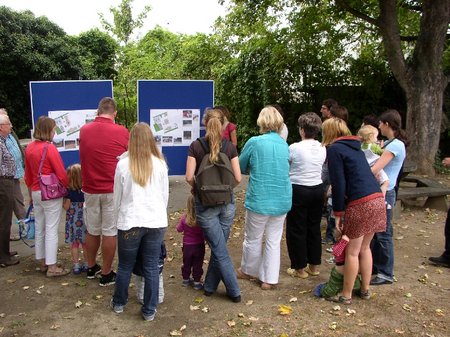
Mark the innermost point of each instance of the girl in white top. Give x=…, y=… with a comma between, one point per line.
x=303, y=220
x=141, y=194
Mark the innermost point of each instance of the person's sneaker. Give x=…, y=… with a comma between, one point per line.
x=94, y=271
x=76, y=269
x=186, y=283
x=84, y=268
x=149, y=318
x=329, y=250
x=198, y=286
x=107, y=280
x=236, y=299
x=118, y=309
x=440, y=261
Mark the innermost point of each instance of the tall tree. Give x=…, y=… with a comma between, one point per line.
x=31, y=49
x=417, y=63
x=123, y=27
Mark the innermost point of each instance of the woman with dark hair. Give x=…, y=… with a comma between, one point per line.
x=228, y=128
x=47, y=213
x=358, y=204
x=215, y=221
x=391, y=161
x=306, y=159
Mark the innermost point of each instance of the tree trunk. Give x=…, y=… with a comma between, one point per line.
x=423, y=120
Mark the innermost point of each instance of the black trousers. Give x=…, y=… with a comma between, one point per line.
x=303, y=226
x=447, y=236
x=6, y=211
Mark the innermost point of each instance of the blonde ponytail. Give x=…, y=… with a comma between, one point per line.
x=214, y=120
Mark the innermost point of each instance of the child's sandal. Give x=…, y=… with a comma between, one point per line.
x=365, y=295
x=340, y=299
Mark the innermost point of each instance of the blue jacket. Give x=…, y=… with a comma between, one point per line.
x=350, y=175
x=266, y=158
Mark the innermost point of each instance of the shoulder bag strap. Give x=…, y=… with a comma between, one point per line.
x=44, y=154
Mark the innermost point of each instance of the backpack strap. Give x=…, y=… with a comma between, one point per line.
x=225, y=144
x=204, y=144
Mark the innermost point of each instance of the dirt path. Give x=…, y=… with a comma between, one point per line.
x=416, y=305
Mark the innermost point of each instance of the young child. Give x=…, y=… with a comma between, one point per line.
x=139, y=279
x=335, y=283
x=75, y=227
x=372, y=151
x=193, y=247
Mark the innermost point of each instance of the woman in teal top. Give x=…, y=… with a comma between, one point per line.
x=268, y=199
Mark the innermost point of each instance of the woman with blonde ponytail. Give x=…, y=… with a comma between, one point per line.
x=215, y=221
x=141, y=193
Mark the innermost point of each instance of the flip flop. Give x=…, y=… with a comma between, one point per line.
x=241, y=275
x=310, y=272
x=57, y=273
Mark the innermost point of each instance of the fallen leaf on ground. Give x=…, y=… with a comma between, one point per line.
x=198, y=300
x=26, y=287
x=406, y=307
x=351, y=311
x=231, y=323
x=408, y=295
x=194, y=307
x=241, y=315
x=401, y=332
x=293, y=299
x=332, y=326
x=54, y=327
x=249, y=302
x=439, y=312
x=336, y=308
x=284, y=309
x=78, y=304
x=251, y=318
x=205, y=309
x=65, y=284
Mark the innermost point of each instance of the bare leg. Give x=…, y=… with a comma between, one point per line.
x=365, y=262
x=92, y=245
x=108, y=252
x=351, y=266
x=75, y=256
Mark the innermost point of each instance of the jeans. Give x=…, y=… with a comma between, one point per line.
x=382, y=244
x=147, y=242
x=216, y=224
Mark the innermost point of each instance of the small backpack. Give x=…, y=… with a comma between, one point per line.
x=214, y=182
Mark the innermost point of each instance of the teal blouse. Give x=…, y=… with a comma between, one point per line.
x=266, y=159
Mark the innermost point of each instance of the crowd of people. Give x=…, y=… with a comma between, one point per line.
x=117, y=201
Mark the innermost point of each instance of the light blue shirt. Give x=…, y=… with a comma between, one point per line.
x=14, y=149
x=266, y=158
x=397, y=148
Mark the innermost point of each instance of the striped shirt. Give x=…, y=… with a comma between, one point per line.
x=14, y=150
x=7, y=163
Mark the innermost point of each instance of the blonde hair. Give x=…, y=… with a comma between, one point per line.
x=141, y=148
x=191, y=218
x=214, y=121
x=74, y=177
x=334, y=128
x=367, y=132
x=269, y=119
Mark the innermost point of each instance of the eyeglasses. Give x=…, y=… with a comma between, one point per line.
x=7, y=124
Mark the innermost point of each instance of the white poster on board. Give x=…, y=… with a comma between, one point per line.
x=175, y=127
x=68, y=125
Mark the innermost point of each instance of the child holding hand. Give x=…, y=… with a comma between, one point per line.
x=75, y=230
x=193, y=247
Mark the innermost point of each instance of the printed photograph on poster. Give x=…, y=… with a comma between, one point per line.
x=68, y=125
x=175, y=127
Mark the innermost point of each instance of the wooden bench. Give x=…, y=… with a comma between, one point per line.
x=434, y=192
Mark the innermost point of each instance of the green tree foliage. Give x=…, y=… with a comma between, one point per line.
x=31, y=49
x=98, y=54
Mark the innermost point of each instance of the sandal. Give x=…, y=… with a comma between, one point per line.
x=14, y=238
x=266, y=286
x=58, y=272
x=365, y=295
x=340, y=299
x=310, y=272
x=241, y=275
x=301, y=275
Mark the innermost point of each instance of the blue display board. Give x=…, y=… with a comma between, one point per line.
x=170, y=95
x=67, y=96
